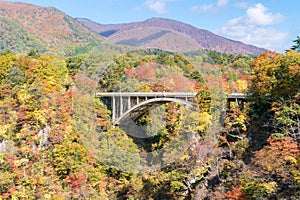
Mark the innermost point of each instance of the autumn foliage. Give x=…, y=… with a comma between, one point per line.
x=254, y=154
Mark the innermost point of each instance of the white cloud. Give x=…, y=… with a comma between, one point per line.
x=202, y=9
x=258, y=15
x=255, y=27
x=208, y=7
x=266, y=37
x=222, y=3
x=158, y=6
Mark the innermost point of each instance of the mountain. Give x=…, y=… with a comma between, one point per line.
x=24, y=26
x=168, y=34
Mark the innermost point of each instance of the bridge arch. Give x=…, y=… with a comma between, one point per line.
x=151, y=102
x=123, y=104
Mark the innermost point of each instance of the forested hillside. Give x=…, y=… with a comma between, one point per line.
x=254, y=154
x=57, y=140
x=167, y=34
x=46, y=29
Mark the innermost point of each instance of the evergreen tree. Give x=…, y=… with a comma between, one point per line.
x=296, y=46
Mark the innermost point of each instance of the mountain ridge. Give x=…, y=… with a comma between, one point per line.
x=204, y=38
x=26, y=26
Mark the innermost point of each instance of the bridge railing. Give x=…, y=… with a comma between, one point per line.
x=146, y=94
x=163, y=94
x=236, y=95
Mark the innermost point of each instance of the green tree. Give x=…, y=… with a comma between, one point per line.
x=296, y=46
x=33, y=53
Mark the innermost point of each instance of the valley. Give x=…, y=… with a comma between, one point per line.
x=157, y=109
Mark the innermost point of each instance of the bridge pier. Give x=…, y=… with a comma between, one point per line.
x=129, y=102
x=113, y=108
x=238, y=99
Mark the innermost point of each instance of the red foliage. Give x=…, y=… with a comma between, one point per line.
x=145, y=73
x=130, y=72
x=10, y=159
x=237, y=194
x=287, y=146
x=197, y=85
x=5, y=195
x=103, y=184
x=75, y=181
x=36, y=154
x=22, y=115
x=12, y=190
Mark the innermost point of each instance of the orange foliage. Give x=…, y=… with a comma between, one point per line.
x=237, y=194
x=287, y=147
x=76, y=181
x=278, y=159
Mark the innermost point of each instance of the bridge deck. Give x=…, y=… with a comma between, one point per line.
x=236, y=95
x=162, y=94
x=124, y=104
x=146, y=94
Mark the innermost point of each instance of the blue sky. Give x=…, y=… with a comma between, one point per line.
x=271, y=24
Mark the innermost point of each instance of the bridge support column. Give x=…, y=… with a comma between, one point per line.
x=236, y=103
x=121, y=106
x=113, y=109
x=129, y=103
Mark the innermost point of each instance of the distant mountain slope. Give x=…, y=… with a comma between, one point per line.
x=187, y=37
x=24, y=26
x=149, y=37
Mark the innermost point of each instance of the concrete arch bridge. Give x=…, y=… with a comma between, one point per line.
x=135, y=104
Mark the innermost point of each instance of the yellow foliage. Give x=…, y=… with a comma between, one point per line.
x=240, y=120
x=47, y=196
x=144, y=88
x=242, y=85
x=3, y=129
x=291, y=159
x=6, y=62
x=270, y=186
x=204, y=121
